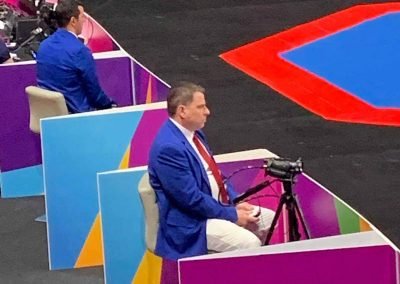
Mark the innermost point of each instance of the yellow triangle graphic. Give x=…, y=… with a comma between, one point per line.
x=149, y=271
x=364, y=227
x=92, y=251
x=125, y=159
x=149, y=93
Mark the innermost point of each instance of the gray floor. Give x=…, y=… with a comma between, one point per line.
x=182, y=40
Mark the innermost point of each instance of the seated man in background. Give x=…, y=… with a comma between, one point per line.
x=188, y=185
x=66, y=65
x=4, y=53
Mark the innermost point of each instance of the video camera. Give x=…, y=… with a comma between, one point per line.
x=283, y=168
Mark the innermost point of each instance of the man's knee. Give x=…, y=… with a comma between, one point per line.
x=251, y=241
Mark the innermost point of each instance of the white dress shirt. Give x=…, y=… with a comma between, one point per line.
x=189, y=136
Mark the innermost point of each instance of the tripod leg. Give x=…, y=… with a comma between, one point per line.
x=301, y=218
x=294, y=234
x=275, y=220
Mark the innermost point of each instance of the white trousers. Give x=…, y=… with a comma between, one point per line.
x=223, y=235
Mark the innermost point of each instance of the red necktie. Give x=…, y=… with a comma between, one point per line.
x=213, y=167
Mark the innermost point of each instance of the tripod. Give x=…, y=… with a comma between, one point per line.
x=293, y=210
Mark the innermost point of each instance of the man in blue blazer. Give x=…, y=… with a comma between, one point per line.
x=192, y=220
x=66, y=65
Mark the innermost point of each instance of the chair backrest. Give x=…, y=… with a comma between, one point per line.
x=44, y=103
x=148, y=198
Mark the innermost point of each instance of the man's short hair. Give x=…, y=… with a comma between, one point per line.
x=181, y=94
x=65, y=10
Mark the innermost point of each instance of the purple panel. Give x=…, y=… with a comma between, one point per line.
x=169, y=272
x=318, y=208
x=115, y=77
x=353, y=265
x=162, y=91
x=242, y=180
x=141, y=83
x=158, y=89
x=144, y=135
x=19, y=147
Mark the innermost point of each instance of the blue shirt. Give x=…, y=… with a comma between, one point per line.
x=4, y=54
x=66, y=65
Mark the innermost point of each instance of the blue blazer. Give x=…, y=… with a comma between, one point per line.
x=66, y=65
x=183, y=195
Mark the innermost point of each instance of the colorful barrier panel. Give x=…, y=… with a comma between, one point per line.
x=126, y=259
x=120, y=75
x=20, y=155
x=75, y=148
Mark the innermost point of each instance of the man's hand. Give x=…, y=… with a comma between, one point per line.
x=245, y=214
x=245, y=206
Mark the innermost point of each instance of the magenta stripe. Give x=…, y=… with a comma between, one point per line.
x=169, y=272
x=353, y=265
x=318, y=208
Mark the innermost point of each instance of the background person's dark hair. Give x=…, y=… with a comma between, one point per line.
x=181, y=94
x=65, y=10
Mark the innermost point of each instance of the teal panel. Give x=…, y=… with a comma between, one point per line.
x=122, y=223
x=22, y=182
